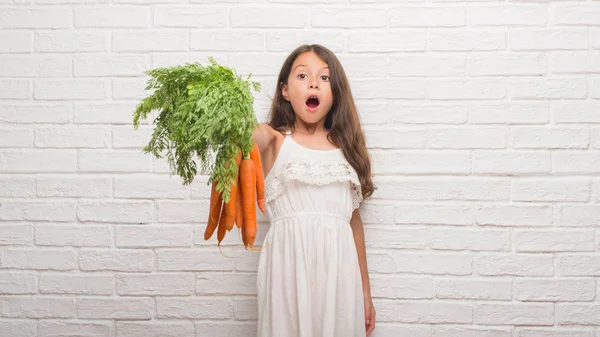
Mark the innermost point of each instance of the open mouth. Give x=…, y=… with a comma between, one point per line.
x=312, y=102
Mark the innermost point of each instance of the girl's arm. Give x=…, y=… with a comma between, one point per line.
x=264, y=135
x=359, y=239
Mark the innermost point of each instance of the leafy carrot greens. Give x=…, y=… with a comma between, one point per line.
x=204, y=111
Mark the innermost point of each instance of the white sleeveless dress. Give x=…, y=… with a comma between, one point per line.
x=308, y=281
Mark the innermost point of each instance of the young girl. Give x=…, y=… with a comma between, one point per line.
x=312, y=276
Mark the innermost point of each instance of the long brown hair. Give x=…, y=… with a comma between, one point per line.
x=342, y=121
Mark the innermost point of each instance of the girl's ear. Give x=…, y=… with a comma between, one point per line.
x=284, y=92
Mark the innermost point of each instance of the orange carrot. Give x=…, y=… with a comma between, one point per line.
x=213, y=213
x=222, y=224
x=239, y=215
x=248, y=185
x=232, y=204
x=260, y=179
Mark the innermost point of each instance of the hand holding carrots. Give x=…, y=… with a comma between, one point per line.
x=246, y=191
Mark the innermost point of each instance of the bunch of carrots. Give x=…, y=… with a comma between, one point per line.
x=246, y=191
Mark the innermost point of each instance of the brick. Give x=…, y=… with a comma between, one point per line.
x=104, y=113
x=113, y=161
x=18, y=328
x=427, y=114
x=396, y=138
x=70, y=137
x=430, y=162
x=476, y=240
x=391, y=88
x=551, y=290
x=578, y=264
x=575, y=62
x=513, y=162
x=94, y=65
x=200, y=308
x=432, y=263
x=554, y=240
x=514, y=215
x=514, y=314
x=182, y=211
x=549, y=138
x=128, y=89
x=224, y=328
x=427, y=65
x=16, y=42
x=256, y=64
x=39, y=114
x=35, y=18
x=132, y=236
x=468, y=138
x=76, y=284
x=433, y=312
x=112, y=17
x=506, y=64
x=244, y=309
x=73, y=186
x=552, y=332
x=16, y=137
x=17, y=186
x=39, y=259
x=15, y=234
x=387, y=41
x=575, y=111
x=575, y=14
x=595, y=38
x=499, y=264
x=127, y=137
x=550, y=189
x=116, y=260
x=454, y=214
x=401, y=287
x=578, y=215
x=405, y=238
x=155, y=328
x=74, y=235
x=426, y=16
x=473, y=289
x=155, y=284
x=489, y=39
x=575, y=162
x=192, y=260
x=37, y=210
x=56, y=328
x=286, y=40
x=150, y=186
x=212, y=283
x=196, y=17
x=115, y=308
x=468, y=331
x=70, y=89
x=360, y=65
x=347, y=17
x=442, y=188
x=13, y=283
x=36, y=66
x=237, y=41
x=150, y=41
x=470, y=89
x=115, y=211
x=37, y=161
x=268, y=17
x=168, y=59
x=579, y=314
x=38, y=307
x=15, y=89
x=523, y=39
x=507, y=15
x=70, y=41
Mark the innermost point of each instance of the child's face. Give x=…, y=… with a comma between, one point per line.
x=309, y=88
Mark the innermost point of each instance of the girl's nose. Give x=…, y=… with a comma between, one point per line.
x=314, y=86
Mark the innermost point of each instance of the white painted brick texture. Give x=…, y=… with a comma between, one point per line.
x=482, y=118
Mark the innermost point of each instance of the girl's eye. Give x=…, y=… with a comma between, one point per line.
x=325, y=77
x=302, y=75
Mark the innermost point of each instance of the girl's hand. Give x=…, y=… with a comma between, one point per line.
x=369, y=314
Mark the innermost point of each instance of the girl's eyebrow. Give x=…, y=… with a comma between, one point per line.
x=304, y=65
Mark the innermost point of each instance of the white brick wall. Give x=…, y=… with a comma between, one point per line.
x=483, y=118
